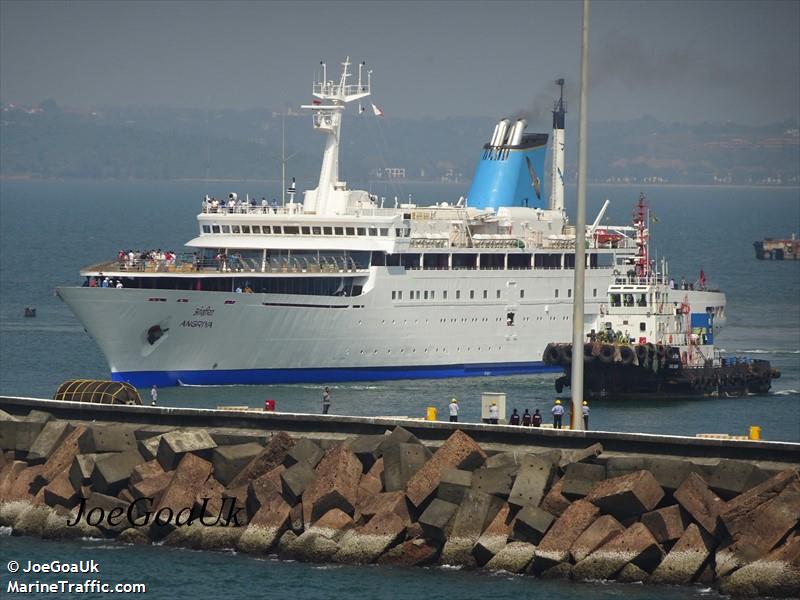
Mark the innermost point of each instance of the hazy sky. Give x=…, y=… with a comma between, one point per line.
x=676, y=60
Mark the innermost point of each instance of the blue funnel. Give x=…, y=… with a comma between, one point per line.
x=510, y=174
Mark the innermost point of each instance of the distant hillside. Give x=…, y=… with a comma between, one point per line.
x=169, y=143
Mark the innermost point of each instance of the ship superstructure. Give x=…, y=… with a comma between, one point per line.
x=337, y=287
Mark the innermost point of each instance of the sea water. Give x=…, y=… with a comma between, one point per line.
x=49, y=230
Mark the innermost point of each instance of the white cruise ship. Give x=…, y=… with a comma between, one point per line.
x=339, y=288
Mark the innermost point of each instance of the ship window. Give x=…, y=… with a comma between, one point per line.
x=485, y=294
x=556, y=293
x=522, y=293
x=615, y=300
x=398, y=232
x=426, y=294
x=569, y=292
x=642, y=300
x=373, y=231
x=400, y=295
x=266, y=229
x=444, y=295
x=510, y=319
x=327, y=230
x=350, y=230
x=276, y=229
x=394, y=295
x=256, y=228
x=498, y=293
x=245, y=228
x=291, y=229
x=215, y=228
x=384, y=232
x=234, y=229
x=206, y=229
x=225, y=229
x=594, y=293
x=627, y=300
x=338, y=231
x=472, y=294
x=433, y=294
x=642, y=326
x=316, y=230
x=361, y=231
x=458, y=294
x=305, y=230
x=417, y=294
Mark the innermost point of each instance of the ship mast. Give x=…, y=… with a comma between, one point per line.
x=641, y=219
x=327, y=116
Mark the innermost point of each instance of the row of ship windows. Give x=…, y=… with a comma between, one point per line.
x=433, y=349
x=302, y=230
x=431, y=294
x=468, y=320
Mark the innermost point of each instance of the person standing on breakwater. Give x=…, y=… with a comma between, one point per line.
x=326, y=400
x=585, y=415
x=558, y=413
x=514, y=420
x=494, y=413
x=526, y=418
x=537, y=418
x=153, y=395
x=453, y=410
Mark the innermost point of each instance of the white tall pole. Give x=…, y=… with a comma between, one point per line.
x=580, y=235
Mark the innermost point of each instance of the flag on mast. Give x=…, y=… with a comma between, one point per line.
x=377, y=111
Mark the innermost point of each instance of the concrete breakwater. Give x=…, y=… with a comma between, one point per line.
x=394, y=498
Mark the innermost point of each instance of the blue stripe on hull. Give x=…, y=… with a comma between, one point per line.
x=142, y=379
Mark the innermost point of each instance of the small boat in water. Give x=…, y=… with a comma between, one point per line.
x=771, y=249
x=30, y=312
x=651, y=341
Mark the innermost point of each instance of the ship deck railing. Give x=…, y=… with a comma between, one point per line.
x=243, y=265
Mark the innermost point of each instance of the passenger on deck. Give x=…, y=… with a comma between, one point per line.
x=537, y=418
x=526, y=418
x=514, y=420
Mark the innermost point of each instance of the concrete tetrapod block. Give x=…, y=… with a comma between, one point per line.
x=148, y=447
x=151, y=468
x=554, y=502
x=555, y=545
x=319, y=542
x=295, y=480
x=510, y=459
x=387, y=502
x=368, y=448
x=273, y=454
x=685, y=559
x=176, y=444
x=496, y=481
x=398, y=435
x=453, y=485
x=208, y=501
x=37, y=416
x=579, y=478
x=735, y=514
x=368, y=488
x=189, y=476
x=635, y=545
x=531, y=524
x=335, y=485
x=775, y=575
x=228, y=461
x=400, y=462
x=152, y=487
x=112, y=472
x=107, y=504
x=630, y=573
x=60, y=492
x=363, y=545
x=494, y=537
x=21, y=482
x=413, y=553
x=113, y=437
x=603, y=530
x=80, y=471
x=18, y=435
x=304, y=450
x=458, y=451
x=763, y=529
x=733, y=477
x=700, y=502
x=435, y=520
x=51, y=436
x=514, y=557
x=259, y=490
x=569, y=457
x=627, y=495
x=666, y=524
x=61, y=458
x=266, y=526
x=476, y=511
x=532, y=483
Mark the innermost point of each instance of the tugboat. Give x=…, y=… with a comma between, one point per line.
x=771, y=249
x=649, y=342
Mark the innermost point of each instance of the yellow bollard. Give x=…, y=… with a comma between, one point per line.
x=431, y=416
x=755, y=432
